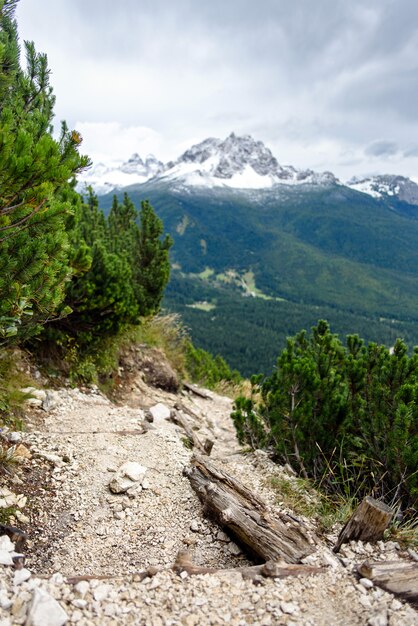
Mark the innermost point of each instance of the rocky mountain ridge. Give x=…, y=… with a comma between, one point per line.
x=237, y=162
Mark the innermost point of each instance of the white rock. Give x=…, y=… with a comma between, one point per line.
x=45, y=610
x=396, y=605
x=6, y=543
x=289, y=608
x=53, y=458
x=21, y=575
x=160, y=412
x=129, y=475
x=14, y=437
x=366, y=582
x=82, y=587
x=101, y=592
x=120, y=484
x=79, y=603
x=5, y=603
x=132, y=470
x=194, y=526
x=331, y=560
x=5, y=558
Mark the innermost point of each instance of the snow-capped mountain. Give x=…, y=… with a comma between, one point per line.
x=106, y=178
x=380, y=186
x=236, y=162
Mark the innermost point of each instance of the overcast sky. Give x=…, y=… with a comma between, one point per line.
x=326, y=84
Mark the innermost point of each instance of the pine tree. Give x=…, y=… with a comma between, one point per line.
x=35, y=198
x=151, y=267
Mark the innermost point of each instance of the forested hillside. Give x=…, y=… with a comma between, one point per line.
x=263, y=264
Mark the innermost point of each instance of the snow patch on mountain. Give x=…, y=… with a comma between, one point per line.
x=387, y=185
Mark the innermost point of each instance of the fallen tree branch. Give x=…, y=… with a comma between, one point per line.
x=178, y=419
x=271, y=569
x=234, y=507
x=196, y=391
x=397, y=577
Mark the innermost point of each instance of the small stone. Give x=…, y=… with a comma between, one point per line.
x=14, y=437
x=45, y=610
x=289, y=608
x=396, y=605
x=79, y=603
x=366, y=582
x=21, y=575
x=331, y=560
x=82, y=587
x=413, y=554
x=221, y=536
x=24, y=519
x=234, y=549
x=57, y=579
x=194, y=526
x=160, y=412
x=101, y=592
x=5, y=603
x=132, y=470
x=379, y=619
x=5, y=558
x=145, y=484
x=119, y=515
x=183, y=575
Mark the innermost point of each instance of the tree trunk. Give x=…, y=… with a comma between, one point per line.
x=245, y=515
x=397, y=577
x=368, y=522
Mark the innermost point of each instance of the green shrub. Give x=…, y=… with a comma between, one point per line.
x=344, y=415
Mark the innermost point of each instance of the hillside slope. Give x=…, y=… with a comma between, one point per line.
x=299, y=253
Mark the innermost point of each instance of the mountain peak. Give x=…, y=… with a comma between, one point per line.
x=238, y=161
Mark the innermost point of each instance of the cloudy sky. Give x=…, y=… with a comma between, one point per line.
x=327, y=84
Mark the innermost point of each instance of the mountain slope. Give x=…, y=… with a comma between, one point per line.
x=299, y=250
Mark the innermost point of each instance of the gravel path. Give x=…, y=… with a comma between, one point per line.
x=79, y=527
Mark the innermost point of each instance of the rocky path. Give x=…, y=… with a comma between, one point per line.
x=80, y=528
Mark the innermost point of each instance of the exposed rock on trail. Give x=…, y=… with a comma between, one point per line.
x=81, y=527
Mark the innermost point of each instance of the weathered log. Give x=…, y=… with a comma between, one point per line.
x=178, y=419
x=196, y=391
x=368, y=522
x=271, y=569
x=397, y=577
x=234, y=507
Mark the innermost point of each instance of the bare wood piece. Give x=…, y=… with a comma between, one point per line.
x=178, y=419
x=245, y=515
x=196, y=391
x=271, y=569
x=397, y=577
x=368, y=522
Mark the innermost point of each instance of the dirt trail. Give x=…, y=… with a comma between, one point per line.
x=83, y=528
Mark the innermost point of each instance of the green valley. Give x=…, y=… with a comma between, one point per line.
x=250, y=268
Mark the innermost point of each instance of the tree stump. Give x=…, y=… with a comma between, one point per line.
x=245, y=517
x=368, y=522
